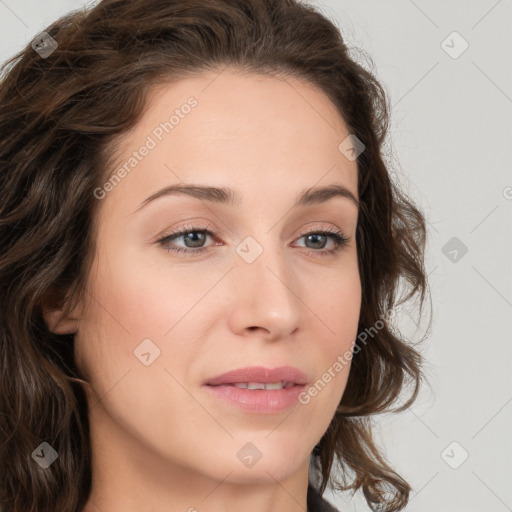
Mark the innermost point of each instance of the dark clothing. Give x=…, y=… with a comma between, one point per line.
x=316, y=503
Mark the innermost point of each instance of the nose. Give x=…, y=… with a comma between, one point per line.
x=265, y=301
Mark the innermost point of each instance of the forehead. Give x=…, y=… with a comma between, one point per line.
x=234, y=103
x=239, y=129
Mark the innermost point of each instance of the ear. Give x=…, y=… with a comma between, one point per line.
x=54, y=315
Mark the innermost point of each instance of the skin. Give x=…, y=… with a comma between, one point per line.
x=160, y=442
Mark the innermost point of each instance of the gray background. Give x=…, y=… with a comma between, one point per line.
x=451, y=137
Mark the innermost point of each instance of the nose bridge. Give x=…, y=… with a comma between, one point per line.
x=266, y=291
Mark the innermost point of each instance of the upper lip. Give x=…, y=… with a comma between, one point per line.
x=260, y=374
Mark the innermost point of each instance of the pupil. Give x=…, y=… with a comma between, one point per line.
x=191, y=237
x=316, y=237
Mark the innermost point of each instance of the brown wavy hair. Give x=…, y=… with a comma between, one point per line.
x=60, y=117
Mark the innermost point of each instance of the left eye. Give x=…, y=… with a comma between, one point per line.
x=193, y=234
x=196, y=236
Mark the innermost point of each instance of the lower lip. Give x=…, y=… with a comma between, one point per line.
x=260, y=401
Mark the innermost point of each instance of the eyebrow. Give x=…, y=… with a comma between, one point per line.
x=224, y=195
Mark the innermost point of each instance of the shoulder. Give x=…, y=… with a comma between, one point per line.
x=316, y=503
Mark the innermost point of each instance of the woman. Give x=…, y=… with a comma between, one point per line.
x=200, y=254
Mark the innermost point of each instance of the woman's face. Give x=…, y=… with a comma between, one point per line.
x=263, y=290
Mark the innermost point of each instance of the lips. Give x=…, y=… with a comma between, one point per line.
x=288, y=375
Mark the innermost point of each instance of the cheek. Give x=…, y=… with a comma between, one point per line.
x=141, y=299
x=133, y=367
x=338, y=308
x=337, y=305
x=143, y=318
x=123, y=311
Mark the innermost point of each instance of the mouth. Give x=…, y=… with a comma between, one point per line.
x=259, y=385
x=258, y=390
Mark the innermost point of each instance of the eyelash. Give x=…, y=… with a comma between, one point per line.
x=340, y=240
